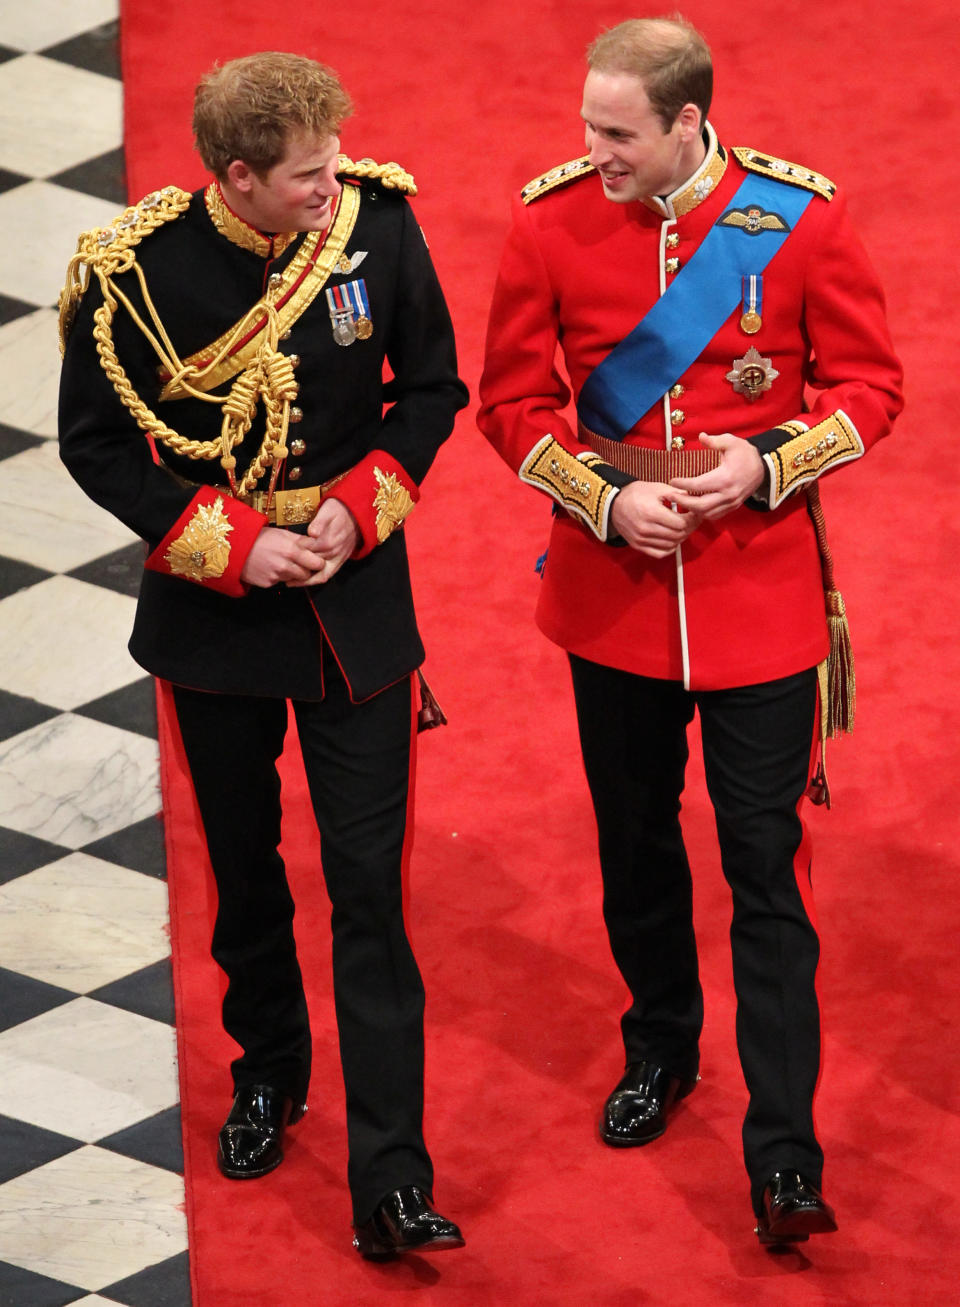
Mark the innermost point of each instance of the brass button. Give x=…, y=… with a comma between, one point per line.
x=678, y=416
x=677, y=442
x=295, y=474
x=297, y=447
x=274, y=280
x=285, y=335
x=294, y=360
x=296, y=414
x=677, y=390
x=672, y=265
x=673, y=240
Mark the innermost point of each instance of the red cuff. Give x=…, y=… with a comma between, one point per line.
x=379, y=493
x=209, y=542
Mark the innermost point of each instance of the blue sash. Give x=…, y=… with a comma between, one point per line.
x=641, y=369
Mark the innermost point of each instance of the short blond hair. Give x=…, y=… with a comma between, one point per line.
x=668, y=55
x=251, y=108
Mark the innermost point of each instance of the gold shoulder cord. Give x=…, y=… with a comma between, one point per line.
x=105, y=252
x=390, y=175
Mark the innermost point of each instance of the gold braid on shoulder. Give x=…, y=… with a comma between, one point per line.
x=105, y=252
x=389, y=175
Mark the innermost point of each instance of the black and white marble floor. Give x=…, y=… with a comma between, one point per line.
x=91, y=1189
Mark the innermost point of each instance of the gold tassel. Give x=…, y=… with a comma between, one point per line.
x=430, y=714
x=841, y=673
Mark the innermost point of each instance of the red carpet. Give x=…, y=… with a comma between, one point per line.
x=523, y=1000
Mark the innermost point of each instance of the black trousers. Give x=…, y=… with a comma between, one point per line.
x=358, y=762
x=757, y=744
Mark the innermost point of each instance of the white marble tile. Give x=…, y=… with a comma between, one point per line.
x=41, y=223
x=95, y=1300
x=76, y=635
x=41, y=23
x=53, y=116
x=72, y=780
x=30, y=373
x=80, y=923
x=91, y=1218
x=46, y=519
x=87, y=1069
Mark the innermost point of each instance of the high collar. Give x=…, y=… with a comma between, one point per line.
x=239, y=232
x=696, y=188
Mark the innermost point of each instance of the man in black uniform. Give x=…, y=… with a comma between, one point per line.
x=244, y=329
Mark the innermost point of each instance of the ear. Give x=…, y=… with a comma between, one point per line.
x=240, y=176
x=690, y=120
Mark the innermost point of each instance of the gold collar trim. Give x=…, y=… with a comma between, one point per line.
x=296, y=288
x=239, y=232
x=696, y=188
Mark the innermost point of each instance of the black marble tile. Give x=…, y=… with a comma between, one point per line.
x=120, y=571
x=11, y=309
x=14, y=441
x=132, y=708
x=24, y=1147
x=140, y=847
x=15, y=575
x=158, y=1141
x=148, y=992
x=18, y=713
x=165, y=1285
x=9, y=180
x=105, y=177
x=8, y=52
x=20, y=1288
x=97, y=50
x=22, y=853
x=22, y=998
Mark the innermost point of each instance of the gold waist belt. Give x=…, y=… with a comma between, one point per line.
x=650, y=464
x=285, y=507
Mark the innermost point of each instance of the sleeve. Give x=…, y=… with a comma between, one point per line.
x=522, y=394
x=193, y=533
x=424, y=396
x=852, y=363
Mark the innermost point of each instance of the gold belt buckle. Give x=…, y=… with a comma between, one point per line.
x=294, y=507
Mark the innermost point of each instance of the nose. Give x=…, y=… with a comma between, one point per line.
x=328, y=184
x=597, y=151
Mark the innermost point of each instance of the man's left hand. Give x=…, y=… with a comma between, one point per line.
x=716, y=493
x=334, y=535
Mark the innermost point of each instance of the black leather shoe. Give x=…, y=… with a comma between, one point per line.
x=405, y=1223
x=251, y=1141
x=636, y=1111
x=793, y=1209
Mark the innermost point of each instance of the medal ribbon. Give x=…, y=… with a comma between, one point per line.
x=638, y=372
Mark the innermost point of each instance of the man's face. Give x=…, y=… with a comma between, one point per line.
x=626, y=141
x=299, y=192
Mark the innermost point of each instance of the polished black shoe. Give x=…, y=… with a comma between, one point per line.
x=251, y=1141
x=793, y=1209
x=405, y=1223
x=636, y=1111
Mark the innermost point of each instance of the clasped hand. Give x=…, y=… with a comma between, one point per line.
x=655, y=517
x=288, y=558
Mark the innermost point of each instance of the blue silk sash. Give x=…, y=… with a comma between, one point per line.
x=641, y=369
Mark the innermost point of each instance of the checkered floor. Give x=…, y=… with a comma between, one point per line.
x=91, y=1188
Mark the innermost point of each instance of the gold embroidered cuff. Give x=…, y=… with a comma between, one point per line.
x=392, y=501
x=202, y=550
x=810, y=453
x=569, y=481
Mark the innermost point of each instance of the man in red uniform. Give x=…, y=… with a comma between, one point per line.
x=695, y=292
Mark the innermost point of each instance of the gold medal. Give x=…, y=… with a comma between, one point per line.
x=364, y=328
x=751, y=322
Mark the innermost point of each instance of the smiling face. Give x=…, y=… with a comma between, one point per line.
x=627, y=143
x=296, y=194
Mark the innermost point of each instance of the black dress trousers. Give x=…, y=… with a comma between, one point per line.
x=358, y=761
x=757, y=746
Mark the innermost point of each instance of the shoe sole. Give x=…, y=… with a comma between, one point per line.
x=232, y=1174
x=796, y=1228
x=379, y=1252
x=616, y=1141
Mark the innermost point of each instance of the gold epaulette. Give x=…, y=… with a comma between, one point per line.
x=549, y=181
x=780, y=169
x=110, y=249
x=389, y=175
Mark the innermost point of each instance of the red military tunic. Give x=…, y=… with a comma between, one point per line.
x=741, y=601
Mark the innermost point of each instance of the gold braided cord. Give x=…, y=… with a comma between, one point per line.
x=390, y=175
x=108, y=252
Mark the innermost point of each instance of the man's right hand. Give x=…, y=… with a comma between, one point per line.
x=278, y=556
x=642, y=515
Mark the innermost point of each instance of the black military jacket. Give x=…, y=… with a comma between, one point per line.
x=202, y=632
